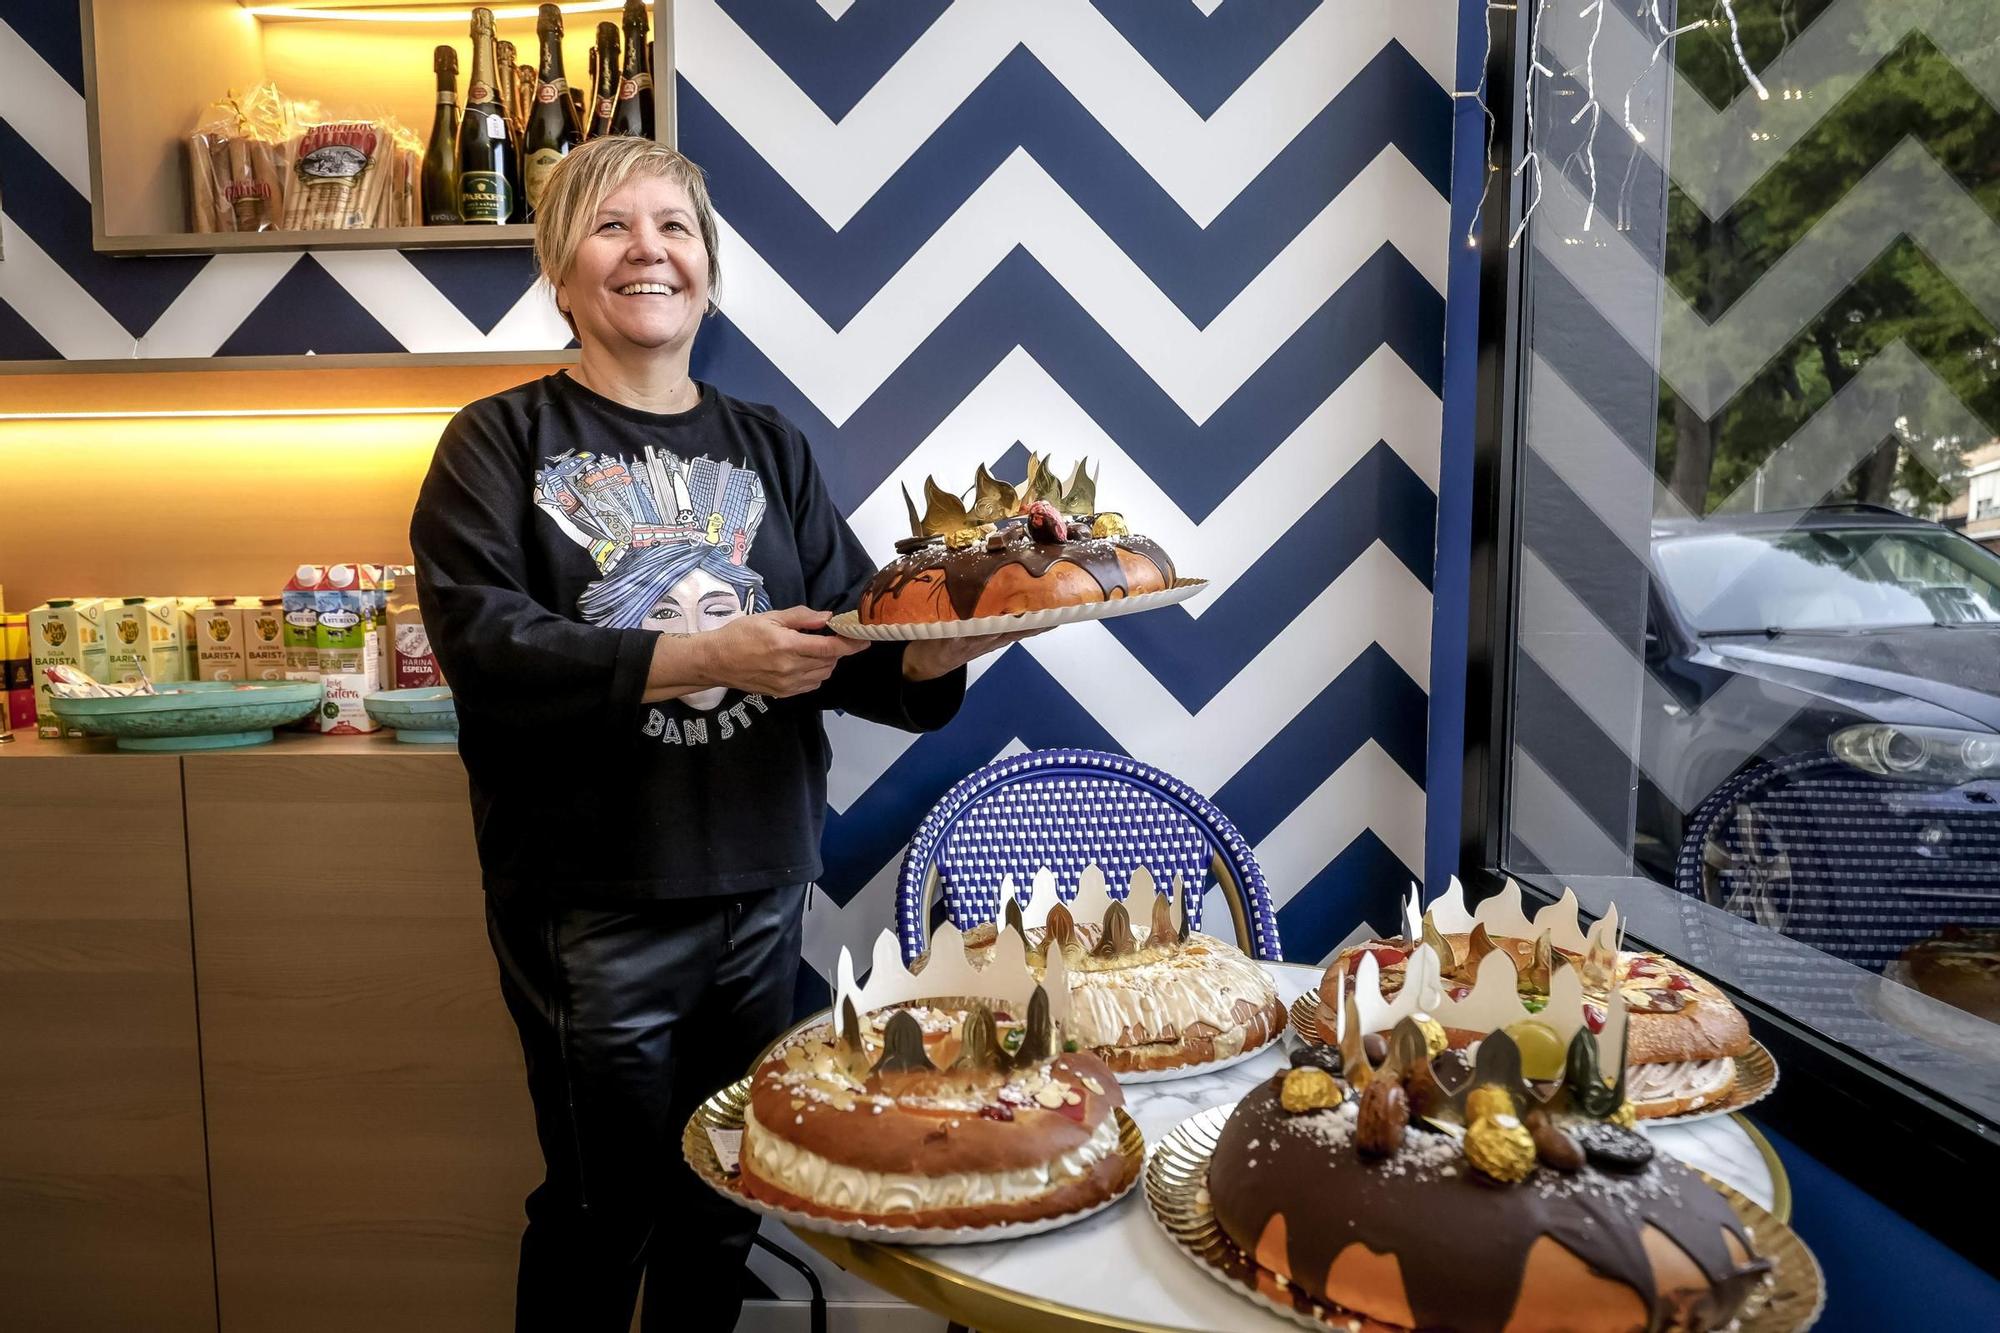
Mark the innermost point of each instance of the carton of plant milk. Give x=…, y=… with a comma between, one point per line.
x=301, y=608
x=188, y=606
x=348, y=633
x=411, y=662
x=65, y=632
x=218, y=638
x=144, y=639
x=263, y=637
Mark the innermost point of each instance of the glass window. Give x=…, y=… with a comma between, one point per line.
x=1751, y=691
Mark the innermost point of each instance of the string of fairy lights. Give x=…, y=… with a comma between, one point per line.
x=1528, y=169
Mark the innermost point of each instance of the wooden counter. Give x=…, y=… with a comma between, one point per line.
x=369, y=1140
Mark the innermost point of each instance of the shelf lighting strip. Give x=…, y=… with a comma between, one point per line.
x=442, y=14
x=202, y=414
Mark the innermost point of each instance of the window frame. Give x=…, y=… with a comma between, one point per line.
x=1904, y=1144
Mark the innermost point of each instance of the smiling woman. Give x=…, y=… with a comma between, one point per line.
x=627, y=576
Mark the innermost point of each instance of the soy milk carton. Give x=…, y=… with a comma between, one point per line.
x=348, y=601
x=64, y=632
x=145, y=639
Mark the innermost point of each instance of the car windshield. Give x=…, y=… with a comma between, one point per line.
x=1821, y=579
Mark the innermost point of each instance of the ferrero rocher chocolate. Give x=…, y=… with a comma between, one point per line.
x=1487, y=1101
x=1309, y=1089
x=1500, y=1146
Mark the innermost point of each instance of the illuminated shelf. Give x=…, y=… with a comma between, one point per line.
x=360, y=238
x=152, y=67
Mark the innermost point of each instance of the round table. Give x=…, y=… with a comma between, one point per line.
x=1118, y=1270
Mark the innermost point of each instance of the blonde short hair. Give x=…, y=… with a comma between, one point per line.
x=590, y=172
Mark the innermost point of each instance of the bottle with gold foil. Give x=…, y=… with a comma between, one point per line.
x=505, y=78
x=489, y=168
x=440, y=178
x=634, y=112
x=607, y=80
x=552, y=125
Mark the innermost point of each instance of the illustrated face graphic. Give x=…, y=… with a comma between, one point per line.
x=697, y=604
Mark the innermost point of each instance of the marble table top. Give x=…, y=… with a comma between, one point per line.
x=1120, y=1264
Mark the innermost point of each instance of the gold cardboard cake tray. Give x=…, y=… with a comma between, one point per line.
x=848, y=623
x=1177, y=1196
x=1756, y=1069
x=724, y=1112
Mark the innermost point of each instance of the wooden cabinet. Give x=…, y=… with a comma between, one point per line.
x=370, y=1136
x=103, y=1191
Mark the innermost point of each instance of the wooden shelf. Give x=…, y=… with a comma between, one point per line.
x=153, y=67
x=511, y=236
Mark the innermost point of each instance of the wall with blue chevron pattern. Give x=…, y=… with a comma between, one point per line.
x=1203, y=242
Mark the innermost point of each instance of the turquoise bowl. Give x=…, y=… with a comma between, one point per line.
x=423, y=716
x=194, y=715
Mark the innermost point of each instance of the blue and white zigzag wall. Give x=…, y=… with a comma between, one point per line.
x=1202, y=242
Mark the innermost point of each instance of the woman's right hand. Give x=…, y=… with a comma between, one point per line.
x=774, y=653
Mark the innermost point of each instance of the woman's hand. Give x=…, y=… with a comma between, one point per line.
x=775, y=653
x=927, y=659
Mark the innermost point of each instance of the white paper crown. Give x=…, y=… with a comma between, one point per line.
x=1493, y=1003
x=1005, y=981
x=1502, y=915
x=1093, y=898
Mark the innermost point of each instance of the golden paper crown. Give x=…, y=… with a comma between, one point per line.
x=993, y=500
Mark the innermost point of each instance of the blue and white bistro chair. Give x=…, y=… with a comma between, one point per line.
x=1065, y=810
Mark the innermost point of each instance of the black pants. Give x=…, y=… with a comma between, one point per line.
x=629, y=1021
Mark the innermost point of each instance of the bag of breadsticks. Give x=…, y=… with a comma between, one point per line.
x=237, y=163
x=336, y=175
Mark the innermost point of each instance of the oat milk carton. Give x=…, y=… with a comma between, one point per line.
x=67, y=631
x=218, y=639
x=350, y=647
x=263, y=622
x=301, y=611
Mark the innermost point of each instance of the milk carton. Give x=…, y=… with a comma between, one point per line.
x=263, y=620
x=64, y=632
x=218, y=637
x=144, y=639
x=411, y=662
x=301, y=609
x=188, y=606
x=349, y=640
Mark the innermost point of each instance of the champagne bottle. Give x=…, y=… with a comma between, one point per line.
x=489, y=169
x=634, y=112
x=552, y=125
x=505, y=59
x=607, y=80
x=440, y=182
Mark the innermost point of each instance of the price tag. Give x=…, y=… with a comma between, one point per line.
x=728, y=1145
x=496, y=126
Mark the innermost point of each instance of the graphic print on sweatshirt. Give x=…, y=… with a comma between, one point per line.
x=670, y=538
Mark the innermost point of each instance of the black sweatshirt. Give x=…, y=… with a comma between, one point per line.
x=557, y=534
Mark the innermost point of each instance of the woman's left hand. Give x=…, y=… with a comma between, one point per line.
x=927, y=659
